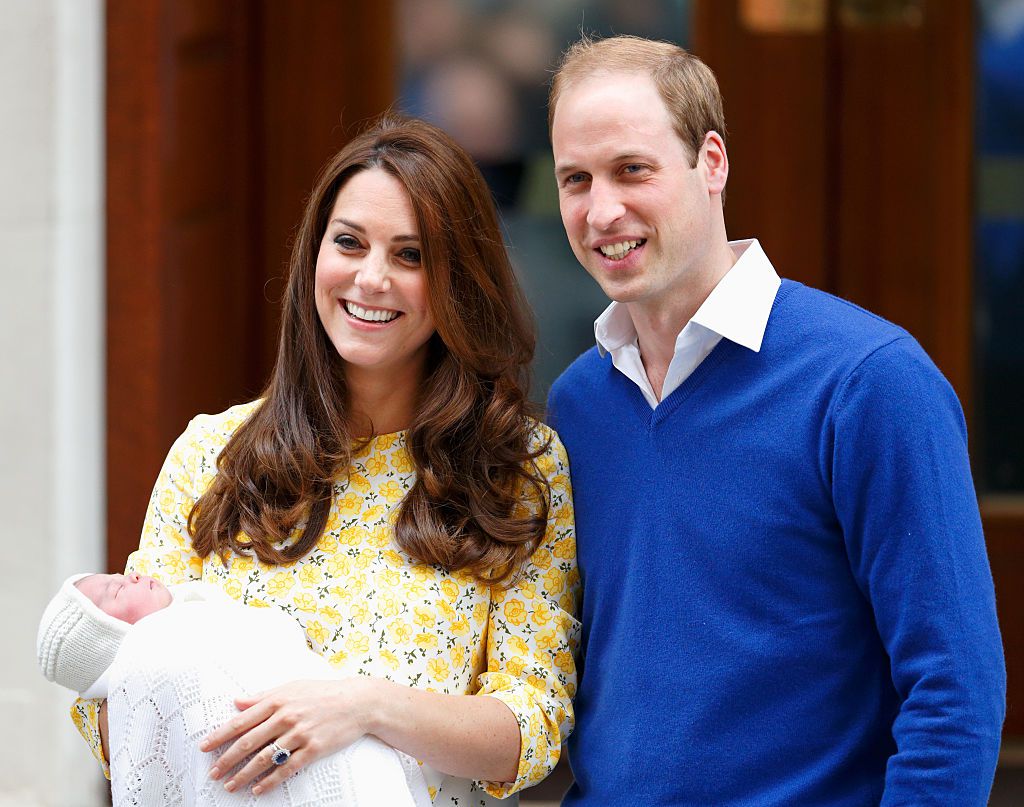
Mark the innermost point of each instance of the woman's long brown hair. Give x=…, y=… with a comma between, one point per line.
x=471, y=438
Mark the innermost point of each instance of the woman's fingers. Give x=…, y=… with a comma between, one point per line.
x=264, y=761
x=297, y=760
x=245, y=701
x=238, y=725
x=253, y=741
x=308, y=718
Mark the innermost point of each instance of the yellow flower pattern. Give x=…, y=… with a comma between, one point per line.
x=370, y=609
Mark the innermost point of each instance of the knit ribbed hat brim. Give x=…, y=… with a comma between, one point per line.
x=76, y=640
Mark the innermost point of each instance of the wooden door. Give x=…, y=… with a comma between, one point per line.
x=219, y=115
x=850, y=138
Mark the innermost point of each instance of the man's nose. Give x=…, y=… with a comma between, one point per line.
x=606, y=206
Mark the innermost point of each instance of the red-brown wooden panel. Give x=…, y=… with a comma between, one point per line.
x=219, y=115
x=135, y=249
x=904, y=187
x=1004, y=533
x=774, y=86
x=326, y=67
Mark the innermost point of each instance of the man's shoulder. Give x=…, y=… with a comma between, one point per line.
x=833, y=326
x=843, y=341
x=815, y=308
x=586, y=371
x=580, y=383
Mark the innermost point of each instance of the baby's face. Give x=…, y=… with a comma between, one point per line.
x=127, y=597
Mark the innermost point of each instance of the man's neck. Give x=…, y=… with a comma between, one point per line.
x=658, y=322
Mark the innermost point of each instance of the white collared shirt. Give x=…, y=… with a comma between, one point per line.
x=737, y=309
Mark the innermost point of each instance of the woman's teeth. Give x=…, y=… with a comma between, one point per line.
x=370, y=314
x=619, y=251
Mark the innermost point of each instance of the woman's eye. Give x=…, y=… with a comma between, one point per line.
x=346, y=242
x=410, y=255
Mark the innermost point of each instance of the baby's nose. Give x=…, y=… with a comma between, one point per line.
x=133, y=577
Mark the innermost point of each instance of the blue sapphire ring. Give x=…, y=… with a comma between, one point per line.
x=279, y=755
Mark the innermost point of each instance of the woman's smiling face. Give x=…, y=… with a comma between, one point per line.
x=371, y=287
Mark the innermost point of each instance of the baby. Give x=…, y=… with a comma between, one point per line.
x=170, y=661
x=84, y=624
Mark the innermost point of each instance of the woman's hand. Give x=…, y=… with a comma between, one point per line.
x=309, y=718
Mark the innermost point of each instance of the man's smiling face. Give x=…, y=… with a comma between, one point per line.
x=636, y=210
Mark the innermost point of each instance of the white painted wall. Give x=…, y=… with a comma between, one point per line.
x=51, y=371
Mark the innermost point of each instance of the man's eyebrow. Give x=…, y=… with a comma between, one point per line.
x=633, y=156
x=566, y=168
x=624, y=157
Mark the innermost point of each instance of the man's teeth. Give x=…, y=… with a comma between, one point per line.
x=370, y=315
x=618, y=251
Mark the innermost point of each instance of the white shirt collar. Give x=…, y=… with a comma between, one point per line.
x=737, y=308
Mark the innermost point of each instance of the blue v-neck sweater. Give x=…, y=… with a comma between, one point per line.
x=787, y=599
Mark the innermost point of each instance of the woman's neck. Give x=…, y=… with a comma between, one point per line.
x=381, y=401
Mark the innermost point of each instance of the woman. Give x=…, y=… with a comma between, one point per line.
x=389, y=490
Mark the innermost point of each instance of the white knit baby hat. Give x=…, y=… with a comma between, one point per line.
x=76, y=640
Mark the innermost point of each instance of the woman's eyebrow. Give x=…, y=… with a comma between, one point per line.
x=360, y=228
x=347, y=223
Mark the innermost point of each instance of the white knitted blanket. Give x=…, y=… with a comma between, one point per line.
x=174, y=680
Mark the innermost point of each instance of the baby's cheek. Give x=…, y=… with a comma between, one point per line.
x=134, y=612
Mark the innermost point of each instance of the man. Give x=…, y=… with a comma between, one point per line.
x=787, y=599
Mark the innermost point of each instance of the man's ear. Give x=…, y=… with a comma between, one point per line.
x=715, y=161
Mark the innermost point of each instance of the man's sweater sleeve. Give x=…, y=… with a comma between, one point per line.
x=905, y=500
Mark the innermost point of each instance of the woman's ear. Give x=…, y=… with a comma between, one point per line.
x=715, y=162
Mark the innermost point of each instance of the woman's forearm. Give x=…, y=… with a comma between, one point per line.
x=104, y=729
x=461, y=735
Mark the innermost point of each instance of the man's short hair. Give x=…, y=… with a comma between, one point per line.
x=686, y=85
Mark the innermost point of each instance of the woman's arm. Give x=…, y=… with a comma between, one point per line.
x=104, y=729
x=460, y=735
x=508, y=739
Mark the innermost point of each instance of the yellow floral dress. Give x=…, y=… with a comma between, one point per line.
x=370, y=609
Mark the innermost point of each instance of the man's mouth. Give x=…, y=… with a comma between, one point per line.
x=616, y=252
x=370, y=314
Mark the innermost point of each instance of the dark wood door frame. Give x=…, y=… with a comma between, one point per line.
x=219, y=115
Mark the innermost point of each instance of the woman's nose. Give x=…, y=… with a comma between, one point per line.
x=372, y=276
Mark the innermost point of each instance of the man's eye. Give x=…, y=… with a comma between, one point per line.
x=633, y=168
x=346, y=242
x=573, y=179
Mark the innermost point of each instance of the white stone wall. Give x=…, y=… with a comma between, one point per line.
x=51, y=371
